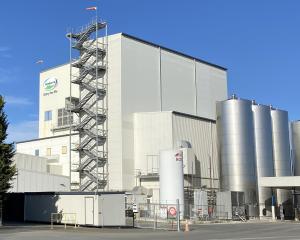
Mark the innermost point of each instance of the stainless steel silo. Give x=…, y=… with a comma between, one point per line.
x=263, y=154
x=295, y=131
x=295, y=134
x=237, y=148
x=281, y=151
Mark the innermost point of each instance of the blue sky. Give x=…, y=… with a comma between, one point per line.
x=258, y=41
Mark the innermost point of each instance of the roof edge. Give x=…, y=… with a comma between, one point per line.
x=173, y=51
x=44, y=138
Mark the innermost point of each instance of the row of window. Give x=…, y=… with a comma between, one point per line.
x=49, y=150
x=63, y=117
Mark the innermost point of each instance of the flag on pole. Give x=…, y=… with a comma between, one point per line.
x=91, y=8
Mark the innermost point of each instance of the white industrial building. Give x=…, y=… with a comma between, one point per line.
x=156, y=98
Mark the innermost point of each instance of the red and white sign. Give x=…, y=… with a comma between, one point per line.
x=179, y=155
x=172, y=211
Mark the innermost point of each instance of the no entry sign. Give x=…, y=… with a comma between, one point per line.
x=172, y=211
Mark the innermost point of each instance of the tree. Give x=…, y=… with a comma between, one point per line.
x=7, y=169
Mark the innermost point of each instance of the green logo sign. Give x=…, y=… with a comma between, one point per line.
x=50, y=84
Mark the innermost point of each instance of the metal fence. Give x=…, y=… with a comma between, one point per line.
x=1, y=212
x=164, y=216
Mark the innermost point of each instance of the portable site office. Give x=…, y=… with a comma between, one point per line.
x=84, y=208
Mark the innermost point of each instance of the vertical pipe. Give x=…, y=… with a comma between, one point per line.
x=106, y=109
x=70, y=131
x=178, y=215
x=211, y=157
x=160, y=83
x=195, y=82
x=97, y=170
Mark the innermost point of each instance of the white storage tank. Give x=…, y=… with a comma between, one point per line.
x=171, y=178
x=264, y=154
x=281, y=150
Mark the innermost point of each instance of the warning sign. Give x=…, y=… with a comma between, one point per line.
x=179, y=155
x=172, y=211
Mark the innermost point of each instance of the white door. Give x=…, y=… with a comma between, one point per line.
x=89, y=210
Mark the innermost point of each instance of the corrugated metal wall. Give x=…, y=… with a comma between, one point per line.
x=203, y=137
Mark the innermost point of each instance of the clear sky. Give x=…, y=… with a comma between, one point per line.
x=258, y=41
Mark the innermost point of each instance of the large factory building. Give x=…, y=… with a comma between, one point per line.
x=156, y=98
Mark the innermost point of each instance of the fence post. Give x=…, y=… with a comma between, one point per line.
x=178, y=215
x=1, y=215
x=155, y=218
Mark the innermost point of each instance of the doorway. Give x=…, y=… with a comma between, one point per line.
x=89, y=210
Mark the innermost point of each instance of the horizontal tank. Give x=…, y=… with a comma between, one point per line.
x=295, y=131
x=171, y=183
x=237, y=148
x=281, y=150
x=263, y=154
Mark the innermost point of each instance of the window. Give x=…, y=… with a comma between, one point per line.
x=48, y=153
x=48, y=115
x=64, y=150
x=63, y=117
x=36, y=152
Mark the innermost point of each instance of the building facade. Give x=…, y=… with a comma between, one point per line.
x=142, y=77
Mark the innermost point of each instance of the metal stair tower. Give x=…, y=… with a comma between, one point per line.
x=91, y=108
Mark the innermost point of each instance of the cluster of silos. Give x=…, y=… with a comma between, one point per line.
x=295, y=132
x=253, y=143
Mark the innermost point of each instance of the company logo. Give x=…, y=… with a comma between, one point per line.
x=49, y=86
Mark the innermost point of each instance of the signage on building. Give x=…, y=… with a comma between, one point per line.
x=135, y=208
x=50, y=85
x=179, y=155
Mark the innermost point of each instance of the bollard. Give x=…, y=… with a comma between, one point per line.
x=187, y=228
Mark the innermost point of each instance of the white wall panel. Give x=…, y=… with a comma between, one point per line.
x=211, y=87
x=140, y=92
x=115, y=161
x=140, y=77
x=32, y=181
x=177, y=81
x=152, y=133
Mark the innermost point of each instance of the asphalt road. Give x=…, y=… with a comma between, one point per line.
x=243, y=231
